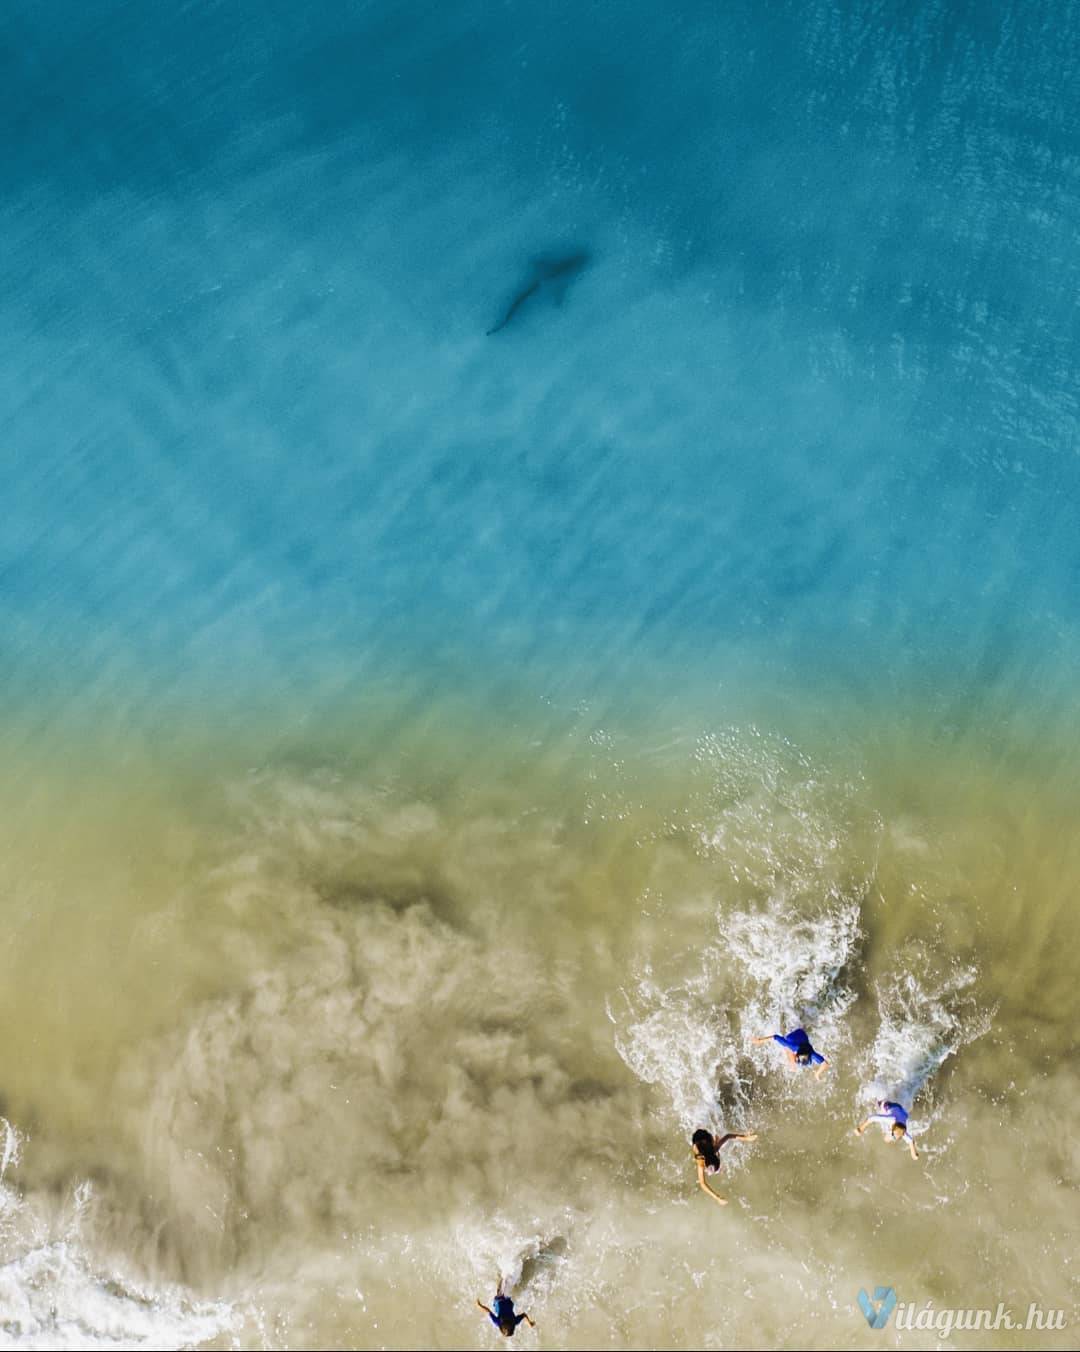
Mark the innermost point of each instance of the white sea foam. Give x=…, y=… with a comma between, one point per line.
x=796, y=963
x=778, y=827
x=9, y=1155
x=525, y=1259
x=693, y=1040
x=680, y=1040
x=60, y=1289
x=923, y=1021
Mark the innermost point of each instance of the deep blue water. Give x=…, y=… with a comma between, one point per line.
x=810, y=409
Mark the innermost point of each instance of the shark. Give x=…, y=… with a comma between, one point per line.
x=549, y=275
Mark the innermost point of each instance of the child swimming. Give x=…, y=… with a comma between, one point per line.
x=800, y=1052
x=503, y=1316
x=893, y=1119
x=706, y=1148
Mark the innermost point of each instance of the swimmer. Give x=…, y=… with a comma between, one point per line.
x=503, y=1316
x=893, y=1120
x=800, y=1053
x=706, y=1148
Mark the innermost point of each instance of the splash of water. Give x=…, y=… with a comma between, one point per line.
x=680, y=1040
x=55, y=1292
x=777, y=826
x=923, y=1021
x=796, y=963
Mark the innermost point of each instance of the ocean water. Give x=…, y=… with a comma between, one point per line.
x=430, y=756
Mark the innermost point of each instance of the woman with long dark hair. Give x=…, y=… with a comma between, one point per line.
x=706, y=1148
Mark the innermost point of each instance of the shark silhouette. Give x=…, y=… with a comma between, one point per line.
x=550, y=275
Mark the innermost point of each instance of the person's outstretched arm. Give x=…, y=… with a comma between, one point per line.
x=757, y=1040
x=528, y=1319
x=862, y=1126
x=703, y=1185
x=722, y=1141
x=911, y=1147
x=822, y=1068
x=484, y=1308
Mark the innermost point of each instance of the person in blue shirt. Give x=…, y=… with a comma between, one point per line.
x=892, y=1118
x=503, y=1316
x=800, y=1052
x=706, y=1149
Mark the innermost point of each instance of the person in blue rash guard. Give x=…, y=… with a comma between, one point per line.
x=800, y=1052
x=503, y=1316
x=893, y=1120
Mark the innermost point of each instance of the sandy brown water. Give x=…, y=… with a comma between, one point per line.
x=293, y=1039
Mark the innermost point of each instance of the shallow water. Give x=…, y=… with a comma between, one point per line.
x=430, y=757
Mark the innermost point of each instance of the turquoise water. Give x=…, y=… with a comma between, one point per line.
x=813, y=398
x=731, y=589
